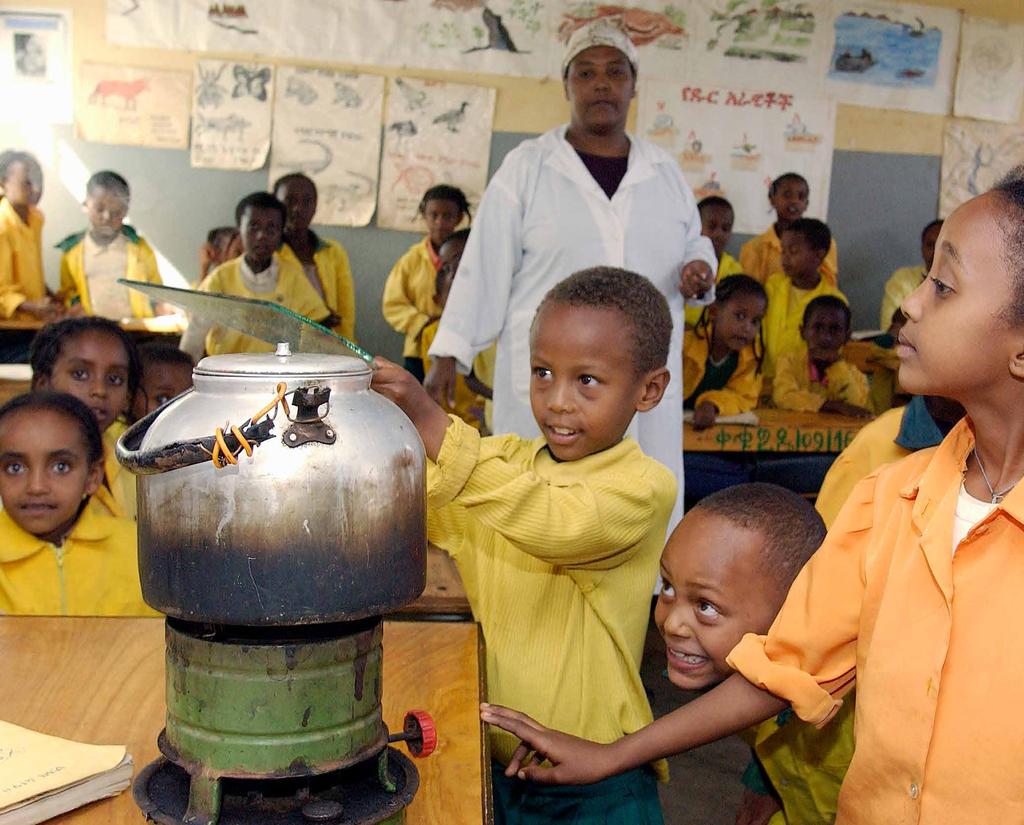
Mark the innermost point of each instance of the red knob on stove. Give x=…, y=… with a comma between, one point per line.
x=422, y=741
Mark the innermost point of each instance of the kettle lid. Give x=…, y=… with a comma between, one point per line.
x=282, y=362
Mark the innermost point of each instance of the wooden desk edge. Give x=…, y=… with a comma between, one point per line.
x=486, y=786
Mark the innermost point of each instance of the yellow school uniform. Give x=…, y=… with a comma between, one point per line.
x=293, y=291
x=558, y=560
x=95, y=572
x=761, y=257
x=741, y=392
x=727, y=265
x=785, y=315
x=483, y=368
x=335, y=274
x=794, y=389
x=467, y=402
x=805, y=765
x=21, y=259
x=117, y=495
x=141, y=266
x=900, y=284
x=408, y=302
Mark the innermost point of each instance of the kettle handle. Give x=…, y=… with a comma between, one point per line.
x=178, y=454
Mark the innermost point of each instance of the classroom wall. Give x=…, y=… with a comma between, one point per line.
x=885, y=175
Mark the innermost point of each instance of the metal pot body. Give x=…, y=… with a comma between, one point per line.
x=307, y=529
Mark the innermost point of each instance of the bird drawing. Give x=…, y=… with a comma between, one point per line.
x=453, y=118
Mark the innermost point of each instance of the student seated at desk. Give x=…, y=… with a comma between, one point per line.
x=222, y=244
x=726, y=569
x=908, y=278
x=884, y=366
x=716, y=219
x=814, y=377
x=722, y=354
x=804, y=244
x=258, y=273
x=59, y=556
x=166, y=373
x=761, y=256
x=557, y=538
x=93, y=260
x=96, y=361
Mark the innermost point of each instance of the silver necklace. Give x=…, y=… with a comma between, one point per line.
x=996, y=496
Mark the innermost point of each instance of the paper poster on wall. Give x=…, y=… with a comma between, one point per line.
x=894, y=56
x=758, y=42
x=990, y=75
x=734, y=142
x=975, y=155
x=327, y=126
x=35, y=66
x=434, y=133
x=132, y=106
x=231, y=113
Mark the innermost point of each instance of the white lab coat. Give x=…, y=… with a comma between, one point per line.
x=544, y=217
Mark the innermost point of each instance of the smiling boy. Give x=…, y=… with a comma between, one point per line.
x=557, y=538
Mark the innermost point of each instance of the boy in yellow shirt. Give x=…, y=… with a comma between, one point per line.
x=94, y=260
x=805, y=243
x=814, y=377
x=761, y=256
x=557, y=538
x=260, y=273
x=908, y=278
x=716, y=219
x=59, y=556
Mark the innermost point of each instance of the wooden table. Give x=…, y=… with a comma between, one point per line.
x=15, y=379
x=778, y=431
x=444, y=596
x=102, y=681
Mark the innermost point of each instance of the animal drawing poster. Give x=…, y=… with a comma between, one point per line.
x=990, y=76
x=231, y=112
x=975, y=155
x=137, y=107
x=894, y=56
x=756, y=42
x=434, y=133
x=35, y=61
x=734, y=142
x=327, y=126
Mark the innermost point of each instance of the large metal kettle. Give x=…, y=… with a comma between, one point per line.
x=281, y=490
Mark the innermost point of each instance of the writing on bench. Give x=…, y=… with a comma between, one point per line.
x=782, y=439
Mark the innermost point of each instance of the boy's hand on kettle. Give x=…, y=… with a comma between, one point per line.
x=401, y=387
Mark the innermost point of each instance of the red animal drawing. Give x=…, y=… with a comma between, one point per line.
x=641, y=26
x=127, y=90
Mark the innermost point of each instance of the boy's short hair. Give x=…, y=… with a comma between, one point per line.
x=815, y=232
x=260, y=200
x=218, y=233
x=791, y=527
x=157, y=353
x=10, y=157
x=632, y=295
x=1010, y=190
x=291, y=177
x=787, y=176
x=929, y=226
x=111, y=182
x=714, y=200
x=827, y=302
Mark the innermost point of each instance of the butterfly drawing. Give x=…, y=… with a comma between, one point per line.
x=251, y=81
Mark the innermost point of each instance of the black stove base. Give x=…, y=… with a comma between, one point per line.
x=353, y=796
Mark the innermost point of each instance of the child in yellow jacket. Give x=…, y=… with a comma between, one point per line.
x=722, y=354
x=58, y=556
x=408, y=301
x=95, y=259
x=761, y=256
x=716, y=219
x=557, y=538
x=814, y=377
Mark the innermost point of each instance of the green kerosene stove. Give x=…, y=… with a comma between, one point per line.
x=281, y=514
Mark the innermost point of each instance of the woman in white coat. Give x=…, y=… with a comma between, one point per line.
x=581, y=195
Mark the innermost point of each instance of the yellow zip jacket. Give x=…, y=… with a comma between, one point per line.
x=408, y=301
x=793, y=389
x=117, y=495
x=805, y=765
x=781, y=328
x=761, y=257
x=94, y=573
x=727, y=265
x=21, y=259
x=293, y=291
x=74, y=284
x=335, y=273
x=740, y=393
x=558, y=560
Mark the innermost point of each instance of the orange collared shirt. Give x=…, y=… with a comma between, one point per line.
x=939, y=680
